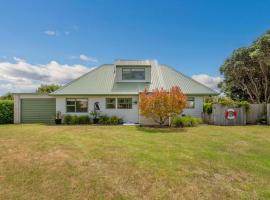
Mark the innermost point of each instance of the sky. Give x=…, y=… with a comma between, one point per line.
x=54, y=41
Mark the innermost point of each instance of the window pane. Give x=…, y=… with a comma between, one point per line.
x=133, y=74
x=70, y=108
x=190, y=102
x=124, y=103
x=81, y=105
x=110, y=103
x=70, y=101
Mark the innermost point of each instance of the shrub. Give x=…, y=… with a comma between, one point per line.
x=6, y=111
x=207, y=108
x=84, y=119
x=113, y=120
x=67, y=119
x=74, y=119
x=186, y=121
x=104, y=119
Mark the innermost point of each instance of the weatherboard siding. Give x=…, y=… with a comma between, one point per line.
x=197, y=110
x=128, y=115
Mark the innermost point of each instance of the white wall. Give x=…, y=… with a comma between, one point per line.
x=128, y=115
x=197, y=110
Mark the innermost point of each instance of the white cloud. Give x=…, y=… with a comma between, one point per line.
x=210, y=81
x=84, y=57
x=22, y=76
x=18, y=59
x=50, y=33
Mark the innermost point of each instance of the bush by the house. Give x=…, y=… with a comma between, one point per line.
x=104, y=119
x=113, y=120
x=84, y=119
x=6, y=111
x=67, y=119
x=74, y=119
x=186, y=121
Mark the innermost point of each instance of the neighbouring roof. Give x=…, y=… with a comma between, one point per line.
x=101, y=81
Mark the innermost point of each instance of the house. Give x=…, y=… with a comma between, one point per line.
x=114, y=90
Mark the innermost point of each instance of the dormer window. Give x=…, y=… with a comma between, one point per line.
x=133, y=73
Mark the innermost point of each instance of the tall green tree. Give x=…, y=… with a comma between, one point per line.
x=46, y=89
x=7, y=96
x=247, y=72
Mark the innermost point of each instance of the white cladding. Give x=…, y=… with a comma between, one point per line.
x=128, y=115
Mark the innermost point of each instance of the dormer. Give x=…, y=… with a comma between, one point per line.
x=133, y=70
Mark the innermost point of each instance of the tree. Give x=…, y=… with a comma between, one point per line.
x=46, y=89
x=160, y=104
x=247, y=72
x=7, y=96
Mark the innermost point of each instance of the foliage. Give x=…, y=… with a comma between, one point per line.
x=160, y=104
x=247, y=72
x=113, y=120
x=74, y=119
x=58, y=115
x=95, y=114
x=225, y=101
x=67, y=119
x=83, y=119
x=207, y=108
x=7, y=96
x=186, y=121
x=46, y=89
x=6, y=111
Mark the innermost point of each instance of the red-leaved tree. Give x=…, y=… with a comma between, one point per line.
x=161, y=104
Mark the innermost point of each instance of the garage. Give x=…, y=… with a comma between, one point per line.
x=34, y=108
x=37, y=110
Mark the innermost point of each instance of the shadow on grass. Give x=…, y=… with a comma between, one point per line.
x=160, y=130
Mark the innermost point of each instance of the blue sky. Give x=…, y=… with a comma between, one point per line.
x=195, y=37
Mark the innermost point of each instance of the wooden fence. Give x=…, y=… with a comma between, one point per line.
x=255, y=112
x=243, y=117
x=268, y=114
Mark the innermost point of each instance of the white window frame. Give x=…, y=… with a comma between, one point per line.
x=188, y=100
x=133, y=69
x=115, y=102
x=75, y=105
x=129, y=107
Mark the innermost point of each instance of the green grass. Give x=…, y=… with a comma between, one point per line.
x=118, y=162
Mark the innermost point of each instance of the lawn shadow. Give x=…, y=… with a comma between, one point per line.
x=149, y=129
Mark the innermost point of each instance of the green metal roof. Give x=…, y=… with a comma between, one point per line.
x=101, y=81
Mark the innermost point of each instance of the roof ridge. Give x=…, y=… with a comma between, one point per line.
x=190, y=78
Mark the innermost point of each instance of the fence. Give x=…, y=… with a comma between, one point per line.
x=255, y=112
x=268, y=114
x=242, y=117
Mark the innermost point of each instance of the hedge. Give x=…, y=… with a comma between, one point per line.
x=6, y=111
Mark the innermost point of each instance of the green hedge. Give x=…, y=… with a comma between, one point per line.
x=85, y=119
x=6, y=111
x=186, y=121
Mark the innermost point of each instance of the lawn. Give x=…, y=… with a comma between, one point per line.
x=118, y=162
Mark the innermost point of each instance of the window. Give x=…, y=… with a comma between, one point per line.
x=191, y=102
x=133, y=74
x=76, y=105
x=124, y=103
x=110, y=103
